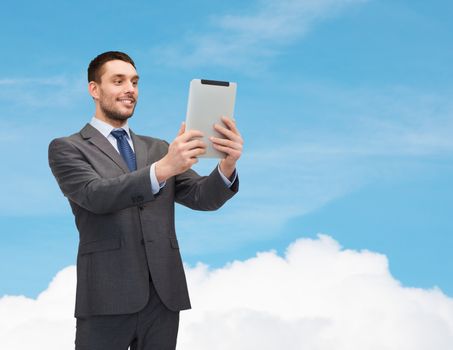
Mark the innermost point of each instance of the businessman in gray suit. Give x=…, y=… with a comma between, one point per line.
x=122, y=189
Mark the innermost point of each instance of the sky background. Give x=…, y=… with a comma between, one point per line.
x=345, y=107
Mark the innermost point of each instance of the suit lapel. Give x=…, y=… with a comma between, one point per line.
x=92, y=135
x=141, y=150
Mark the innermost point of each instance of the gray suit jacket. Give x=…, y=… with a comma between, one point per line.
x=126, y=232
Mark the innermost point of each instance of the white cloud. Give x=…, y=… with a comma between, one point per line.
x=235, y=40
x=317, y=296
x=44, y=323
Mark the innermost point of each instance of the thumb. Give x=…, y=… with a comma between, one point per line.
x=182, y=129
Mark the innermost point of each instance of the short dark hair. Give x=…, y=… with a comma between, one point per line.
x=95, y=66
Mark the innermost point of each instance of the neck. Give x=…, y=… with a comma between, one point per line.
x=113, y=122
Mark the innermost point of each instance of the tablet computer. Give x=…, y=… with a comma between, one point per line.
x=208, y=101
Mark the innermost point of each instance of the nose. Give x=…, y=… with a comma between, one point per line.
x=130, y=87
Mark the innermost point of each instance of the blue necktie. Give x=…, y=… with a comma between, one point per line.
x=125, y=149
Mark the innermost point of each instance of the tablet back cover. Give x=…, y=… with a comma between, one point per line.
x=208, y=101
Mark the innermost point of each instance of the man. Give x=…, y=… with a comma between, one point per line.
x=122, y=188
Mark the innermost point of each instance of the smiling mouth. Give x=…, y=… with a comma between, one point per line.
x=128, y=101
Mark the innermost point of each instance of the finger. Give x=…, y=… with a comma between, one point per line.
x=191, y=134
x=229, y=151
x=190, y=162
x=231, y=124
x=182, y=129
x=226, y=142
x=228, y=133
x=195, y=144
x=193, y=153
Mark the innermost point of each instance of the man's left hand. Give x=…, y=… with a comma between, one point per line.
x=231, y=146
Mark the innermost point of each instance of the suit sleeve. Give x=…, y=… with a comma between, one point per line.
x=203, y=192
x=81, y=184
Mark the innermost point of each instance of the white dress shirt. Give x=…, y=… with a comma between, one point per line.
x=106, y=129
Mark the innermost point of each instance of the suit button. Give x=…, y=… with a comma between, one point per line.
x=142, y=241
x=137, y=199
x=141, y=207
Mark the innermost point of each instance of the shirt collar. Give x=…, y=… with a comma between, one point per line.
x=105, y=128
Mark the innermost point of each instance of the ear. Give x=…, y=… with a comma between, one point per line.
x=93, y=90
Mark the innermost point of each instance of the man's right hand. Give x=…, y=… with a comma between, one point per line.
x=182, y=154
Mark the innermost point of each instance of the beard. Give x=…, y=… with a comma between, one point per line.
x=113, y=113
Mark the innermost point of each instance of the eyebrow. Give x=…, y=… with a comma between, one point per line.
x=124, y=76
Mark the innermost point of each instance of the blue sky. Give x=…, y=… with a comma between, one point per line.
x=345, y=107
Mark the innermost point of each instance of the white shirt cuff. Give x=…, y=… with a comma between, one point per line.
x=155, y=185
x=228, y=183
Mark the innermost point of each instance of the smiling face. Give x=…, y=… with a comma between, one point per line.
x=116, y=93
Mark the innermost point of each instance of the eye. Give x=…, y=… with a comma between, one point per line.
x=117, y=82
x=135, y=83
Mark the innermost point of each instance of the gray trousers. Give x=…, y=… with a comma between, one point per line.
x=153, y=328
